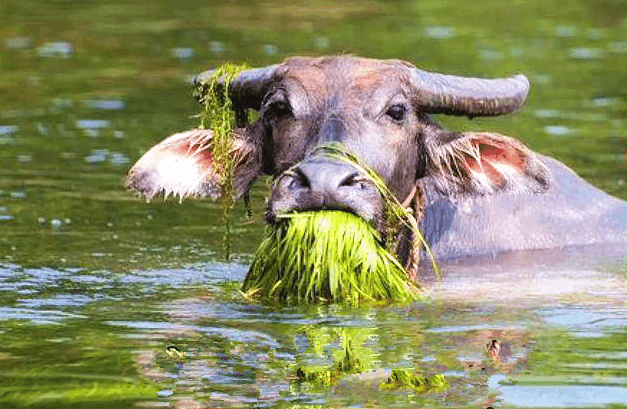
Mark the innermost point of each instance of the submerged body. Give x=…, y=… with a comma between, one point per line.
x=571, y=212
x=474, y=193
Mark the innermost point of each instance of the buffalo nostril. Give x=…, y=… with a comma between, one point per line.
x=294, y=184
x=354, y=180
x=349, y=180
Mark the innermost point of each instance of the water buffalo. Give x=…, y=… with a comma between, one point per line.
x=476, y=192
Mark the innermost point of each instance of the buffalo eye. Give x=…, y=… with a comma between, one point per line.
x=278, y=106
x=397, y=112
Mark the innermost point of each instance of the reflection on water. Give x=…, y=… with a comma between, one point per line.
x=8, y=129
x=563, y=396
x=106, y=104
x=59, y=49
x=183, y=53
x=35, y=316
x=558, y=130
x=17, y=42
x=584, y=53
x=440, y=32
x=239, y=354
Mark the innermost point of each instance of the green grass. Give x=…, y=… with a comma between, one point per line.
x=397, y=217
x=406, y=378
x=326, y=256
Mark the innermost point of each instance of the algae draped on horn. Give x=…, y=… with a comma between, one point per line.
x=219, y=116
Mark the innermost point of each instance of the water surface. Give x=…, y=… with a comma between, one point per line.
x=96, y=286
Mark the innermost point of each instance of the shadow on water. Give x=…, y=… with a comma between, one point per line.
x=106, y=301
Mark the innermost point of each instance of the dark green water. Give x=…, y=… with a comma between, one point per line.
x=95, y=284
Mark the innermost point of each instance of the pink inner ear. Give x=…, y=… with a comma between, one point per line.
x=181, y=165
x=493, y=156
x=197, y=150
x=194, y=145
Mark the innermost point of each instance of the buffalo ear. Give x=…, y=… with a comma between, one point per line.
x=483, y=163
x=183, y=165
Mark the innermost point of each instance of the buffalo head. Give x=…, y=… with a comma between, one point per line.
x=378, y=110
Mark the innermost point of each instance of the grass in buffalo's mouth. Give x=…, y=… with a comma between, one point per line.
x=326, y=256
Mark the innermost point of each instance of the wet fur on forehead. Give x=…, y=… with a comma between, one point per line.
x=317, y=74
x=334, y=63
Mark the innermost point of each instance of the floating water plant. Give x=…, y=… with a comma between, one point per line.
x=220, y=117
x=355, y=357
x=352, y=358
x=326, y=256
x=406, y=378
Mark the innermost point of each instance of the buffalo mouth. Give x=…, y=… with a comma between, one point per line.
x=330, y=179
x=328, y=256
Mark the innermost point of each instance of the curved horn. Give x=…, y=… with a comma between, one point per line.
x=452, y=95
x=248, y=88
